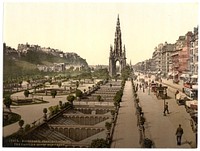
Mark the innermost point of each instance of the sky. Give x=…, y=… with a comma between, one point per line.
x=88, y=29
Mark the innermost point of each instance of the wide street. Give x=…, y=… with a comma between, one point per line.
x=160, y=129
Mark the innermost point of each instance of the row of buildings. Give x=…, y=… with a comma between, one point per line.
x=59, y=67
x=179, y=59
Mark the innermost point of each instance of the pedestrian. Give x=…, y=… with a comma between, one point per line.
x=166, y=109
x=177, y=92
x=179, y=133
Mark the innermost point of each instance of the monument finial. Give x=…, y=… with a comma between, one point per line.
x=118, y=22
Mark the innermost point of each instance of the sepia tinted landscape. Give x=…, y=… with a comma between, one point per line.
x=100, y=75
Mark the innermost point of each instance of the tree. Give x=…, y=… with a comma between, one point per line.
x=108, y=125
x=27, y=127
x=45, y=114
x=89, y=88
x=20, y=83
x=59, y=84
x=51, y=110
x=79, y=94
x=21, y=123
x=126, y=72
x=77, y=84
x=26, y=93
x=99, y=143
x=60, y=103
x=147, y=143
x=99, y=98
x=71, y=98
x=7, y=102
x=70, y=89
x=53, y=93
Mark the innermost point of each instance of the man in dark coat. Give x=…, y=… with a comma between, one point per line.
x=179, y=133
x=166, y=109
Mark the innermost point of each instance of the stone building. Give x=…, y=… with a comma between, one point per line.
x=184, y=56
x=157, y=58
x=194, y=52
x=167, y=49
x=175, y=55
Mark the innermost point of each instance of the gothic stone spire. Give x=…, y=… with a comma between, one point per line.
x=118, y=41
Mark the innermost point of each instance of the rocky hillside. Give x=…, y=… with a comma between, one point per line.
x=26, y=58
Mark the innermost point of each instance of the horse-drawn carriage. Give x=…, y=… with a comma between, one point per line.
x=153, y=87
x=159, y=90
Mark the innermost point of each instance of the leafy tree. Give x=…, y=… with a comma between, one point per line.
x=99, y=98
x=28, y=81
x=27, y=127
x=60, y=104
x=56, y=109
x=20, y=83
x=89, y=88
x=59, y=84
x=84, y=91
x=147, y=143
x=126, y=72
x=26, y=93
x=70, y=98
x=21, y=123
x=7, y=102
x=101, y=73
x=108, y=125
x=99, y=143
x=51, y=110
x=53, y=93
x=79, y=93
x=45, y=114
x=77, y=84
x=112, y=112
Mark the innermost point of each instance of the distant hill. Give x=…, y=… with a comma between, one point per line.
x=25, y=59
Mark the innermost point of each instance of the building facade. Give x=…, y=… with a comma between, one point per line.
x=194, y=52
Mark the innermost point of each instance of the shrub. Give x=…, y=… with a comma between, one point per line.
x=53, y=93
x=26, y=93
x=27, y=127
x=79, y=93
x=147, y=143
x=70, y=98
x=59, y=84
x=21, y=123
x=99, y=98
x=108, y=125
x=99, y=143
x=7, y=101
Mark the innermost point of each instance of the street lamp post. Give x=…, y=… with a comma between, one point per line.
x=164, y=93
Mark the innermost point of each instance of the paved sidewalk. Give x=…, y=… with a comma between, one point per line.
x=126, y=133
